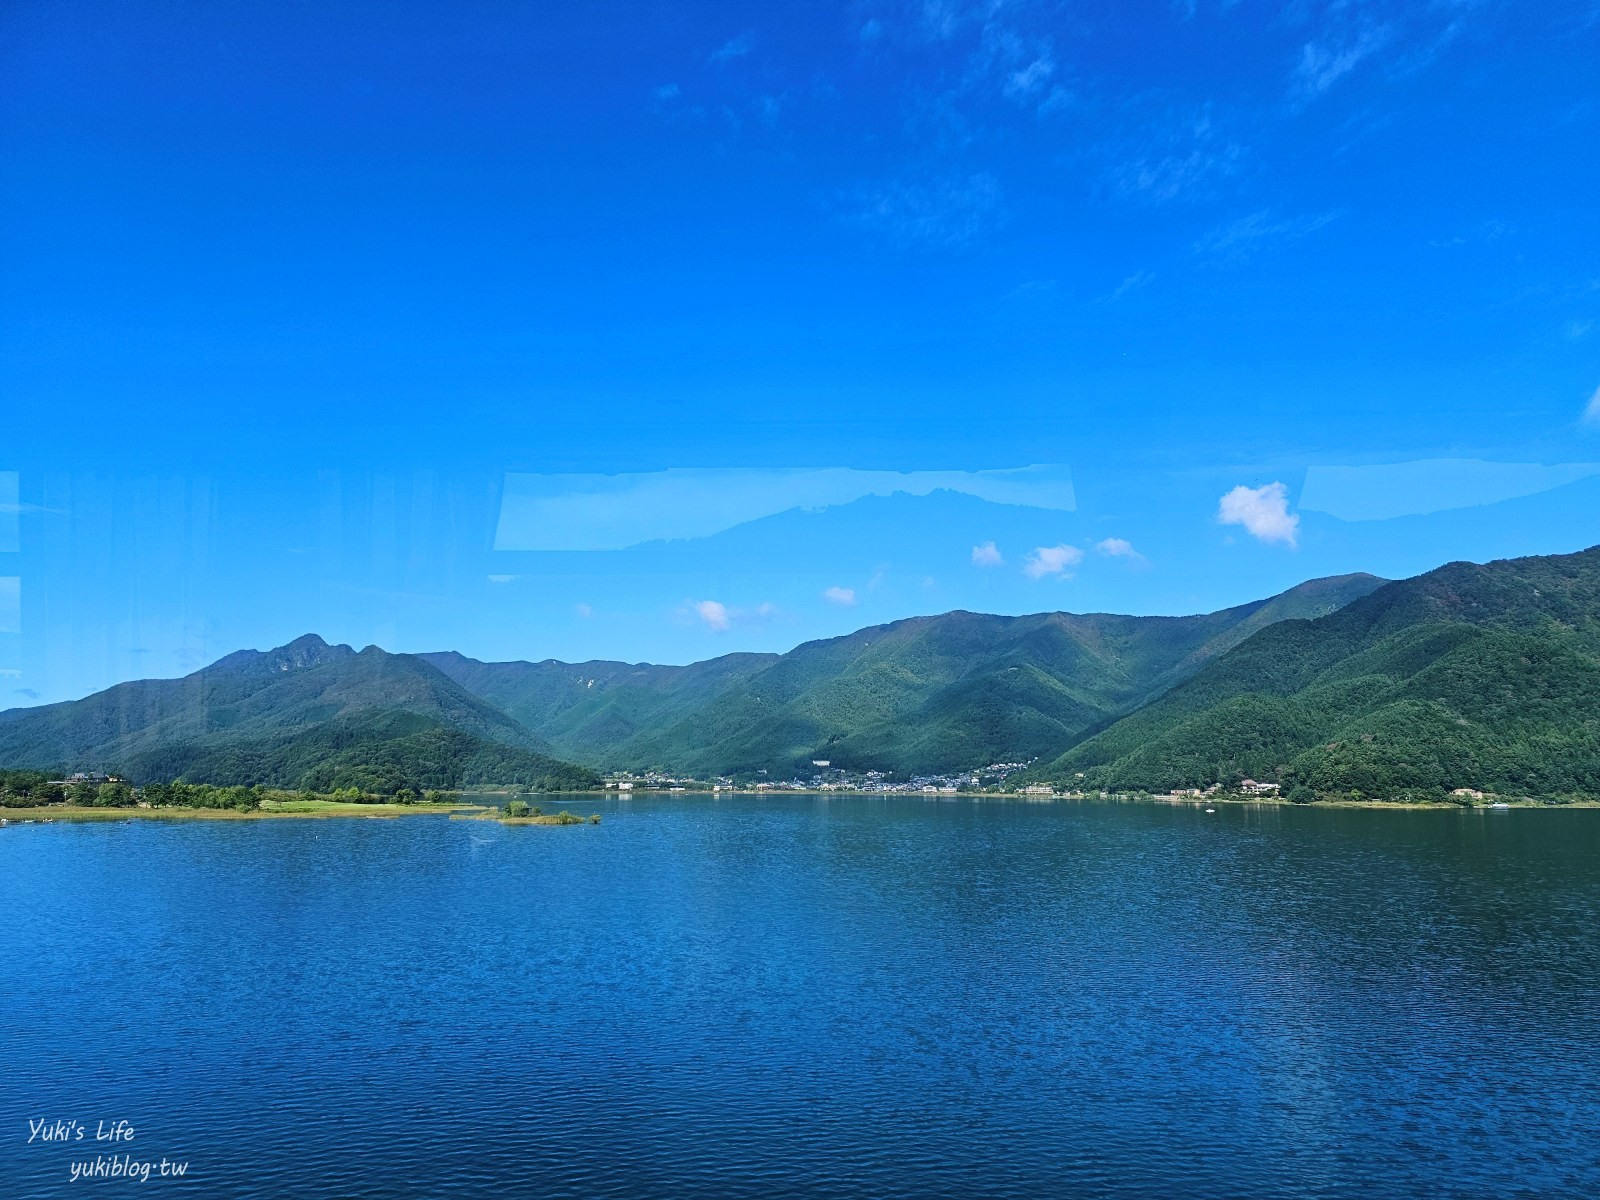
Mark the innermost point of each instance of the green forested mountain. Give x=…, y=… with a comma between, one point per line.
x=587, y=710
x=306, y=714
x=927, y=694
x=1471, y=676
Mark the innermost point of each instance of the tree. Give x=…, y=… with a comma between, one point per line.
x=114, y=794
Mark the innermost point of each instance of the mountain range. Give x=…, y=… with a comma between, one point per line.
x=918, y=696
x=304, y=715
x=1484, y=676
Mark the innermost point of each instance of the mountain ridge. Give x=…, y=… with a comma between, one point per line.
x=748, y=713
x=266, y=707
x=1471, y=675
x=1475, y=676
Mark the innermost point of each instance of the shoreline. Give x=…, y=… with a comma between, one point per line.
x=305, y=810
x=321, y=810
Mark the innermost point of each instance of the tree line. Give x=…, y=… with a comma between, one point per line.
x=34, y=789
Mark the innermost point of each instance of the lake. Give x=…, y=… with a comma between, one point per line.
x=804, y=996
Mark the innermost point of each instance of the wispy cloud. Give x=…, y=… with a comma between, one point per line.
x=1029, y=80
x=1591, y=414
x=583, y=610
x=1056, y=561
x=1239, y=239
x=1183, y=155
x=1484, y=233
x=1133, y=283
x=502, y=578
x=768, y=108
x=736, y=47
x=1324, y=63
x=987, y=555
x=840, y=595
x=942, y=19
x=1263, y=511
x=1017, y=65
x=939, y=212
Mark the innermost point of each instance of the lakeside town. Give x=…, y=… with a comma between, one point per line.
x=825, y=777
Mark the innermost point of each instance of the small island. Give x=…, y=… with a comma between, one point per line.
x=520, y=812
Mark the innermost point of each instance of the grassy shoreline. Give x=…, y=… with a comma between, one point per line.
x=463, y=810
x=305, y=809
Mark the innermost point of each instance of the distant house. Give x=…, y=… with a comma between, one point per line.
x=1470, y=793
x=821, y=762
x=1251, y=788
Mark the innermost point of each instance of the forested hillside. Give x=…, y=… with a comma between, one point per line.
x=927, y=694
x=1472, y=676
x=304, y=715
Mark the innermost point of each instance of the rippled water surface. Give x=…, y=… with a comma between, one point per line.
x=811, y=997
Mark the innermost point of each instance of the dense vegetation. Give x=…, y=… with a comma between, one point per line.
x=1478, y=677
x=33, y=789
x=382, y=753
x=929, y=694
x=305, y=716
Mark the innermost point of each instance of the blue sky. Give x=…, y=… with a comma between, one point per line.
x=397, y=321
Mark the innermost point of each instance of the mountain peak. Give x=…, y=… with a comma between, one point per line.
x=306, y=651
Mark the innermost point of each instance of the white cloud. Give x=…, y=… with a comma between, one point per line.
x=1119, y=548
x=585, y=611
x=1591, y=415
x=719, y=617
x=1263, y=511
x=1052, y=560
x=501, y=578
x=986, y=555
x=713, y=612
x=840, y=595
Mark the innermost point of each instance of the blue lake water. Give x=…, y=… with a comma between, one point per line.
x=810, y=997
